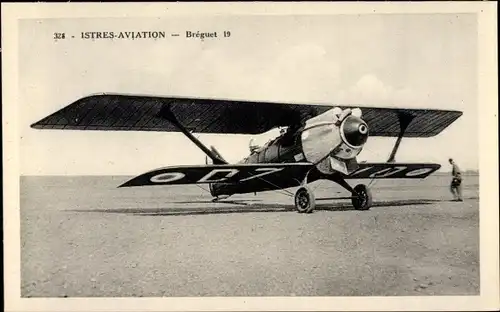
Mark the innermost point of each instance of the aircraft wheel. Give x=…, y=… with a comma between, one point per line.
x=304, y=200
x=362, y=199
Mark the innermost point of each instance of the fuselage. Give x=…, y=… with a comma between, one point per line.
x=329, y=141
x=286, y=148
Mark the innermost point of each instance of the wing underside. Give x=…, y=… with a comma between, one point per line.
x=394, y=171
x=237, y=173
x=117, y=112
x=216, y=173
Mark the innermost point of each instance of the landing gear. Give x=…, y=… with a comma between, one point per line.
x=304, y=200
x=361, y=197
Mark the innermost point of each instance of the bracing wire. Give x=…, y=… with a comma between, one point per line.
x=283, y=192
x=317, y=185
x=371, y=182
x=202, y=188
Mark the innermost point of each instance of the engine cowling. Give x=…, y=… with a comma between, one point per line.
x=354, y=134
x=335, y=134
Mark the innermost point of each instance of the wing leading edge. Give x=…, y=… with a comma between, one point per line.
x=118, y=112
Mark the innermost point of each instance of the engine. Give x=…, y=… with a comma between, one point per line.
x=333, y=138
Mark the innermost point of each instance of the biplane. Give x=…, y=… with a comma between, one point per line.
x=318, y=141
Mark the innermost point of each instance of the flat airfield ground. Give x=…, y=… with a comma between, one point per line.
x=83, y=237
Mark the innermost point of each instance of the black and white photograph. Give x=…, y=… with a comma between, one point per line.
x=329, y=155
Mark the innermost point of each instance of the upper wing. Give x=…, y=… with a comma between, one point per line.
x=149, y=113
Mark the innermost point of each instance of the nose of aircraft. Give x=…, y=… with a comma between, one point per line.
x=355, y=131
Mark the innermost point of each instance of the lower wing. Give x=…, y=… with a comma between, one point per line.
x=393, y=171
x=216, y=173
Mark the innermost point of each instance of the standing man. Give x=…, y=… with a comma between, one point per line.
x=456, y=182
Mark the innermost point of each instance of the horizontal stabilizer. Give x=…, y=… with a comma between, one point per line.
x=216, y=173
x=120, y=112
x=393, y=171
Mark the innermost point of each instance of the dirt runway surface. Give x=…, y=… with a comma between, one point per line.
x=83, y=237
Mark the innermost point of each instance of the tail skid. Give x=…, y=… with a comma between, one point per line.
x=220, y=198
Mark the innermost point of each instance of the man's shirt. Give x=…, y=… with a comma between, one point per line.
x=456, y=171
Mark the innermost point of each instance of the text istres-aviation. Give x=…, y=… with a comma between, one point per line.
x=138, y=35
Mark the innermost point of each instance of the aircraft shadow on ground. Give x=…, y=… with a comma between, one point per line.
x=249, y=208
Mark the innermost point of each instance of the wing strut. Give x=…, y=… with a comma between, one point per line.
x=404, y=121
x=165, y=112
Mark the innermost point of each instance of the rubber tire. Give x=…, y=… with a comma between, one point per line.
x=311, y=201
x=368, y=200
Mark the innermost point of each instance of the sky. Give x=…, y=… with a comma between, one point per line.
x=393, y=60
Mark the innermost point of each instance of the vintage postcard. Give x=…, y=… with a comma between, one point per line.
x=256, y=156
